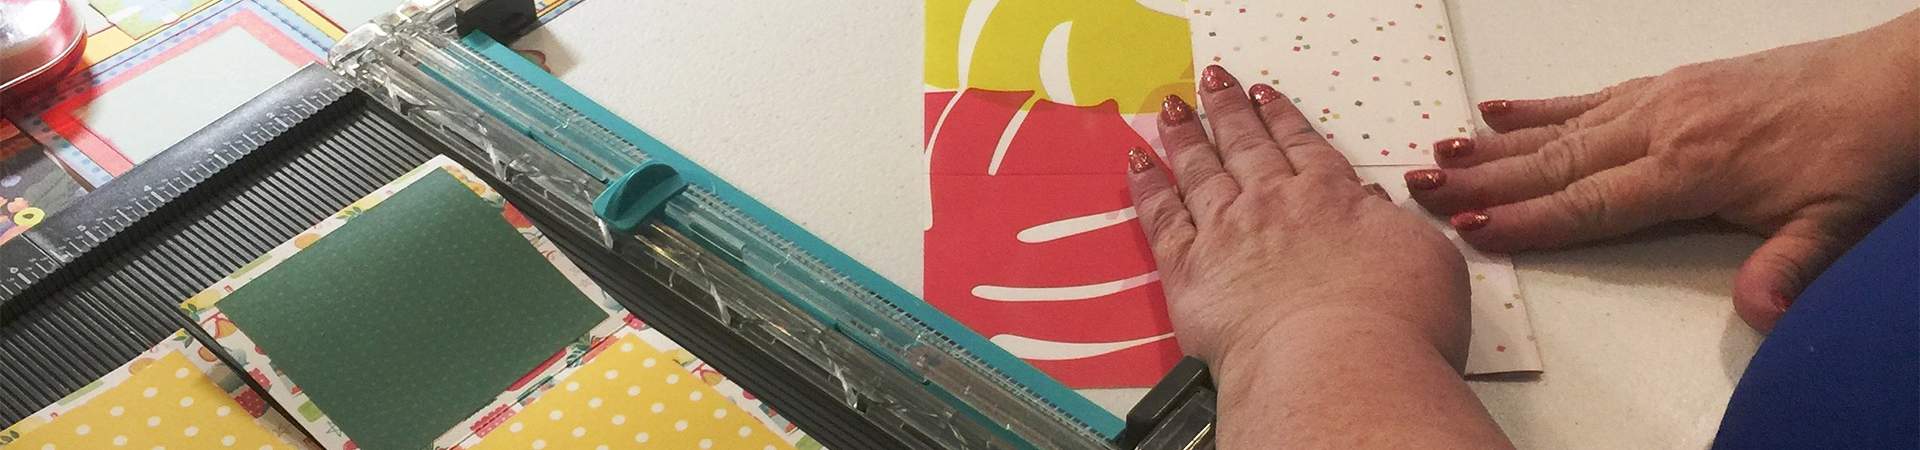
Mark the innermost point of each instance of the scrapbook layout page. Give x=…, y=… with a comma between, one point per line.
x=431, y=313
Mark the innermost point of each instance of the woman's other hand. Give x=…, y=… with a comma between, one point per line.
x=1811, y=144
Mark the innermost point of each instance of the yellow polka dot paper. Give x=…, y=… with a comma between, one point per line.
x=632, y=394
x=174, y=396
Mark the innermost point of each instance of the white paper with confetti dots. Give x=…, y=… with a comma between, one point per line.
x=1379, y=78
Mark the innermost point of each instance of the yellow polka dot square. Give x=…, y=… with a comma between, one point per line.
x=632, y=396
x=166, y=404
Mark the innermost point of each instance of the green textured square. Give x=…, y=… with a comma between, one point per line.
x=413, y=315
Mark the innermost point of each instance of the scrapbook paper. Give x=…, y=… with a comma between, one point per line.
x=175, y=395
x=1030, y=110
x=119, y=121
x=32, y=183
x=89, y=17
x=349, y=14
x=1379, y=78
x=401, y=316
x=634, y=392
x=1044, y=257
x=140, y=17
x=140, y=91
x=1503, y=339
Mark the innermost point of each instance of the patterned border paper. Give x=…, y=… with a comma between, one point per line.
x=200, y=358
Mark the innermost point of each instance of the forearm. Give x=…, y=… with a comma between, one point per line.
x=1339, y=380
x=1899, y=39
x=1905, y=30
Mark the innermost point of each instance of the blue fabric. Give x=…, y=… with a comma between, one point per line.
x=1842, y=369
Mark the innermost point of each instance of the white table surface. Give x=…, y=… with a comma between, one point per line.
x=813, y=107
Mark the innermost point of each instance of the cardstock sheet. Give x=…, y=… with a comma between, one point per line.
x=1030, y=110
x=1378, y=78
x=32, y=183
x=117, y=126
x=174, y=395
x=144, y=90
x=635, y=390
x=404, y=314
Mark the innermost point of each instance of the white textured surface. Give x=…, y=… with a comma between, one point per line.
x=814, y=108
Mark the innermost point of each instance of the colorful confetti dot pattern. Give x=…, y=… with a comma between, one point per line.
x=1381, y=73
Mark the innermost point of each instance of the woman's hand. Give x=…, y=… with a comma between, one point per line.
x=1272, y=225
x=1318, y=304
x=1812, y=144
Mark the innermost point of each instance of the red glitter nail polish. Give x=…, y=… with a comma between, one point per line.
x=1263, y=94
x=1426, y=179
x=1495, y=106
x=1175, y=111
x=1138, y=161
x=1469, y=221
x=1215, y=78
x=1453, y=148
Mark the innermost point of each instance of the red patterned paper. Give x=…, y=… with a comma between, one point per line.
x=1032, y=243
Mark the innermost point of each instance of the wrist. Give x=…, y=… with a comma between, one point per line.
x=1336, y=340
x=1902, y=36
x=1255, y=340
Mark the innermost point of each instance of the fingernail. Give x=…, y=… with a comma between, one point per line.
x=1138, y=160
x=1782, y=301
x=1495, y=106
x=1469, y=221
x=1263, y=94
x=1174, y=111
x=1215, y=78
x=1453, y=148
x=1378, y=191
x=1426, y=179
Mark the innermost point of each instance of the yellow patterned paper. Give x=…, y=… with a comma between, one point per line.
x=632, y=396
x=163, y=403
x=1075, y=52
